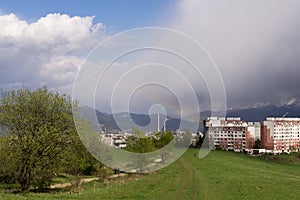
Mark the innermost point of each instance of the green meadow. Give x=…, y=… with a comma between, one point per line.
x=220, y=175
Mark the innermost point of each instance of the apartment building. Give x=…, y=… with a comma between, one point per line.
x=229, y=134
x=280, y=135
x=254, y=129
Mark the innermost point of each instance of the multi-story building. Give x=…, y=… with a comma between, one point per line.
x=254, y=129
x=228, y=134
x=277, y=135
x=280, y=135
x=115, y=140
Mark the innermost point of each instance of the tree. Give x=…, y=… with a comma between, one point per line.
x=250, y=143
x=6, y=162
x=140, y=144
x=184, y=139
x=41, y=131
x=200, y=140
x=162, y=139
x=257, y=144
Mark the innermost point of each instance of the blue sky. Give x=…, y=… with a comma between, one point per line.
x=118, y=14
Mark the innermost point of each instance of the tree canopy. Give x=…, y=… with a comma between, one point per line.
x=41, y=136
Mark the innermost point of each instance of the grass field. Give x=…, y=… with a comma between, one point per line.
x=220, y=175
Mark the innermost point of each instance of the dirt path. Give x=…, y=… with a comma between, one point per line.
x=84, y=180
x=64, y=185
x=190, y=177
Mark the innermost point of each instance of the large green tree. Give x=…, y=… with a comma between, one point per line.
x=162, y=139
x=139, y=144
x=41, y=132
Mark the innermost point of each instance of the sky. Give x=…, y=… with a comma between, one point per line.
x=255, y=46
x=118, y=14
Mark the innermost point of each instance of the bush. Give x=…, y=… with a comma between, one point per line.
x=42, y=140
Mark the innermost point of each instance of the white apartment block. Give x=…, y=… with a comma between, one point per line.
x=281, y=135
x=227, y=133
x=254, y=129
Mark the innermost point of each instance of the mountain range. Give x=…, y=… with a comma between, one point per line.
x=254, y=114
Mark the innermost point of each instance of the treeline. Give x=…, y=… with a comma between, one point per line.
x=140, y=144
x=39, y=139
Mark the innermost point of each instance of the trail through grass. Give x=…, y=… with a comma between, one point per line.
x=220, y=175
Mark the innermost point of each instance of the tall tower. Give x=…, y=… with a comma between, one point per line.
x=165, y=124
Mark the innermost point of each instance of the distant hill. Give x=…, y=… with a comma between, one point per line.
x=127, y=122
x=261, y=113
x=249, y=114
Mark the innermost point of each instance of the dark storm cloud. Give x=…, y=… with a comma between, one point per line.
x=256, y=45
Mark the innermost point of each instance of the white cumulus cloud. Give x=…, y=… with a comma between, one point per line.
x=46, y=52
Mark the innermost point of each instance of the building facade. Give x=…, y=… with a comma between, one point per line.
x=229, y=134
x=254, y=129
x=280, y=135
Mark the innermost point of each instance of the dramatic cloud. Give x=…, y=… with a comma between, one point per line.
x=46, y=52
x=256, y=45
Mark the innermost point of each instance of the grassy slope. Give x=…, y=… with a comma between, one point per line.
x=221, y=175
